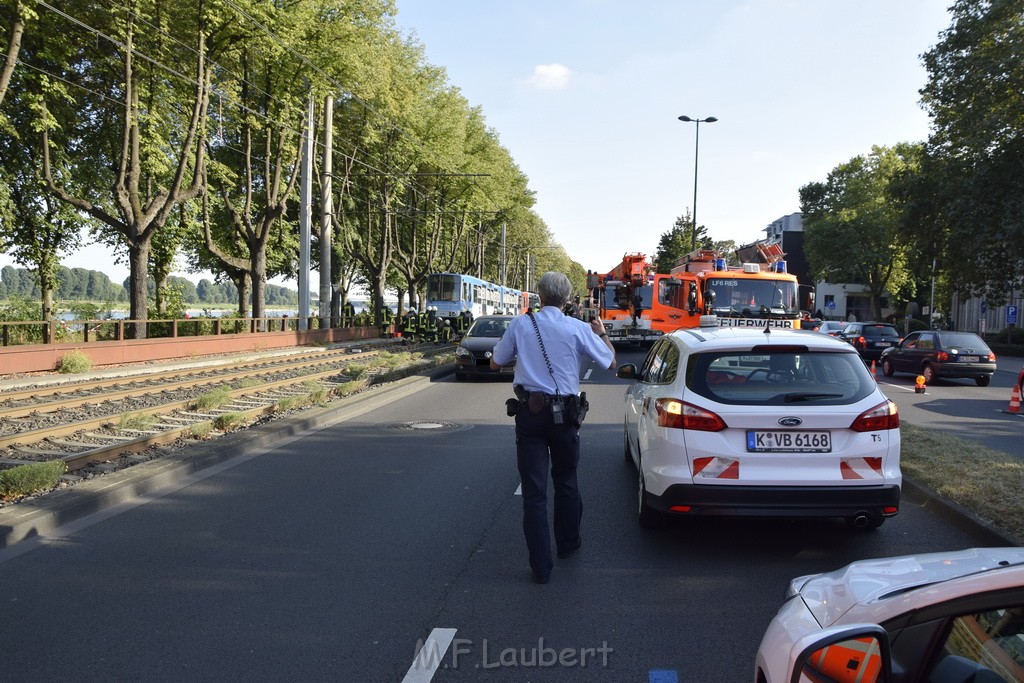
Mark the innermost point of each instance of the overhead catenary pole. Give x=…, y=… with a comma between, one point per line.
x=326, y=210
x=503, y=267
x=305, y=217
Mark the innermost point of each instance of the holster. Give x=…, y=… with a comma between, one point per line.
x=578, y=409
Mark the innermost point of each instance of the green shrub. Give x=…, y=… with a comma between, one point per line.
x=74, y=362
x=229, y=421
x=200, y=430
x=26, y=479
x=136, y=421
x=212, y=399
x=1009, y=335
x=349, y=387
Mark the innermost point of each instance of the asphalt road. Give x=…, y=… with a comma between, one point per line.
x=330, y=557
x=962, y=408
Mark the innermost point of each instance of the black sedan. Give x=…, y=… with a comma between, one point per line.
x=473, y=355
x=870, y=339
x=938, y=353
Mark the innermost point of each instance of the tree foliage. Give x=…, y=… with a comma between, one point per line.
x=975, y=168
x=170, y=128
x=854, y=222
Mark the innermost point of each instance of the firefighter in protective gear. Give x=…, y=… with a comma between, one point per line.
x=429, y=325
x=445, y=329
x=385, y=321
x=410, y=326
x=462, y=323
x=421, y=325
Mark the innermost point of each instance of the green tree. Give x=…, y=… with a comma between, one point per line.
x=134, y=140
x=975, y=166
x=854, y=222
x=673, y=244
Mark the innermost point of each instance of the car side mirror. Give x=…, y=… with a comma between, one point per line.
x=854, y=653
x=627, y=371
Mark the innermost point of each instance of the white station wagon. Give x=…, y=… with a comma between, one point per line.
x=739, y=421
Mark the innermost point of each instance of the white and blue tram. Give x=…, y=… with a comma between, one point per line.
x=453, y=293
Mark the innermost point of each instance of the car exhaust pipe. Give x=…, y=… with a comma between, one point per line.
x=860, y=520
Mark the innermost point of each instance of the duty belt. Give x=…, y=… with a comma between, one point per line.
x=524, y=397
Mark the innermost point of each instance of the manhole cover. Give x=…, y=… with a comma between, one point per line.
x=426, y=426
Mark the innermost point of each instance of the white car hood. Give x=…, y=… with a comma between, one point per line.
x=828, y=596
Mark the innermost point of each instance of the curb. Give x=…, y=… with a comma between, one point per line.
x=957, y=515
x=45, y=514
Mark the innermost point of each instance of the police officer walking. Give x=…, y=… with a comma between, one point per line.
x=548, y=347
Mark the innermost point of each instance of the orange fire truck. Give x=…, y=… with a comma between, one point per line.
x=637, y=304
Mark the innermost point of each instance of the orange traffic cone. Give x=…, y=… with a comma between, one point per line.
x=1014, y=401
x=875, y=376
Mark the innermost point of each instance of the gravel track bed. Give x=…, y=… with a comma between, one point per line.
x=115, y=409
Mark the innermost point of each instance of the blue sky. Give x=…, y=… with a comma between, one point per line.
x=585, y=94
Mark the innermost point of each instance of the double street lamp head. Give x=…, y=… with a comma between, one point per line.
x=710, y=119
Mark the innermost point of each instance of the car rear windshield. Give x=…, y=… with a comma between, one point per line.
x=963, y=341
x=779, y=377
x=880, y=332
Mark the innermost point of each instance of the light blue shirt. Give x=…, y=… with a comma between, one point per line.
x=566, y=339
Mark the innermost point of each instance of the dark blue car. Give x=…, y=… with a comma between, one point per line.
x=938, y=353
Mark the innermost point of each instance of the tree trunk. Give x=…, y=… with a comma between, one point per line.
x=401, y=301
x=46, y=294
x=242, y=285
x=13, y=47
x=258, y=267
x=138, y=260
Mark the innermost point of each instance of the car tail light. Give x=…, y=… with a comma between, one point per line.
x=883, y=416
x=676, y=414
x=941, y=355
x=992, y=357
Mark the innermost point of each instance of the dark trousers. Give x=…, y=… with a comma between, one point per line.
x=539, y=439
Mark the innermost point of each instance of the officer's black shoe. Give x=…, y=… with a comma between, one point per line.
x=562, y=554
x=541, y=579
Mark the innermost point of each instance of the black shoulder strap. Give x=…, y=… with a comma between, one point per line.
x=544, y=351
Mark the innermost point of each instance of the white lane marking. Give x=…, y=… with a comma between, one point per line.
x=429, y=656
x=587, y=376
x=519, y=490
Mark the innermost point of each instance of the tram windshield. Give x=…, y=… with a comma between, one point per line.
x=442, y=287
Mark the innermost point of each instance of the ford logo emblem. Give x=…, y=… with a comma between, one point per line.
x=790, y=421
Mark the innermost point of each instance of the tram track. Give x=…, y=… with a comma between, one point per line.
x=162, y=407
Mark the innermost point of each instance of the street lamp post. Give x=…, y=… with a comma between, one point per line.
x=696, y=151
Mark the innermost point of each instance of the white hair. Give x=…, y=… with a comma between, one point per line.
x=554, y=288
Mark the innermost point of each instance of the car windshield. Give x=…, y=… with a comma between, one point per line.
x=489, y=327
x=750, y=298
x=963, y=341
x=779, y=377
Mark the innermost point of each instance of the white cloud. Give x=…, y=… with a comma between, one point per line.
x=550, y=77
